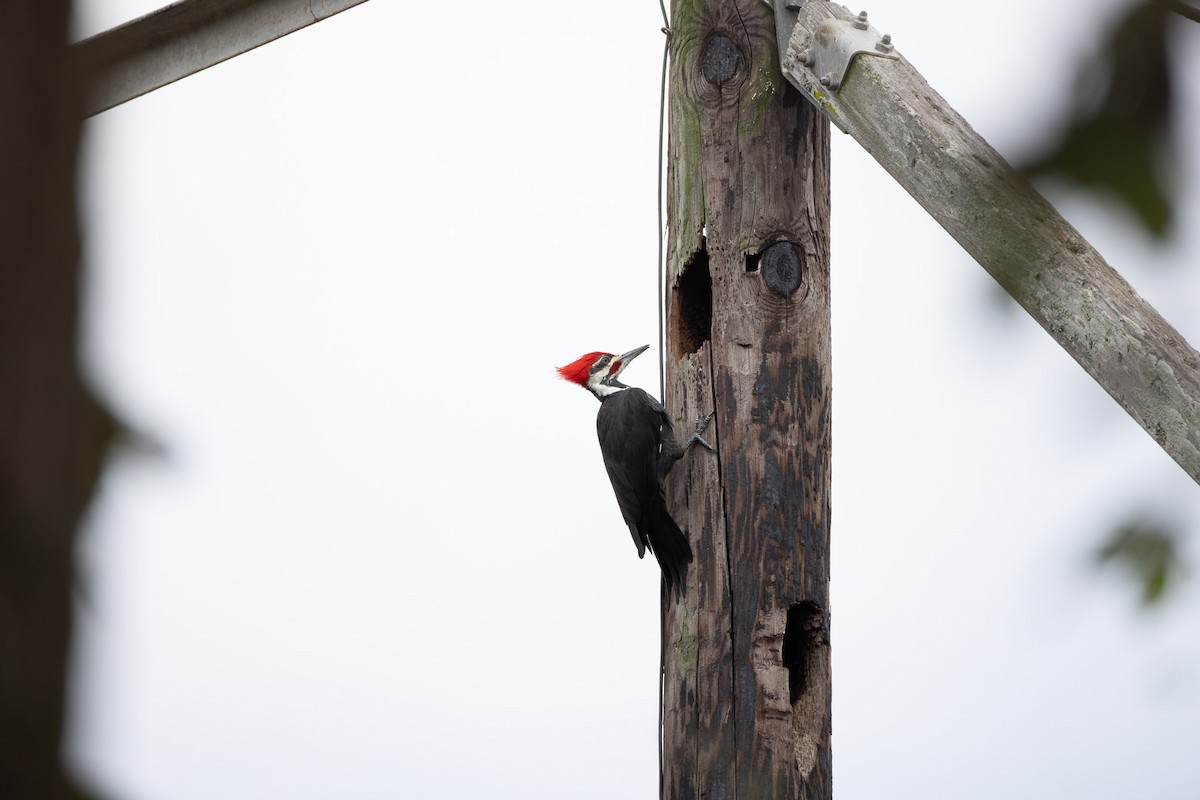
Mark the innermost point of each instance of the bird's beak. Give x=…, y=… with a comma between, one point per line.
x=625, y=358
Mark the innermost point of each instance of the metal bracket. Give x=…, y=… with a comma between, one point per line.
x=815, y=56
x=828, y=50
x=785, y=21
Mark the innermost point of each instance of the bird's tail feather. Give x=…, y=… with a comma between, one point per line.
x=670, y=546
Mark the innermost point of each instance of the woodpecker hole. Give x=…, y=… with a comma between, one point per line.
x=805, y=632
x=693, y=311
x=752, y=260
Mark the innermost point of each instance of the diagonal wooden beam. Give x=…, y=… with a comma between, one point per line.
x=1009, y=228
x=186, y=37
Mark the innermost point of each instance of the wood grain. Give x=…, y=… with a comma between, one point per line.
x=748, y=202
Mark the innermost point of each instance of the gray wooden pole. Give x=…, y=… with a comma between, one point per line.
x=186, y=37
x=747, y=664
x=1015, y=234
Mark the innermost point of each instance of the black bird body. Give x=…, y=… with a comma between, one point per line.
x=633, y=428
x=637, y=442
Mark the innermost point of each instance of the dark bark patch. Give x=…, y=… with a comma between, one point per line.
x=781, y=268
x=720, y=59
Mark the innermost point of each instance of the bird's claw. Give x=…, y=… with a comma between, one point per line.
x=700, y=426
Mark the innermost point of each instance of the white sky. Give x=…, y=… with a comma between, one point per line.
x=381, y=558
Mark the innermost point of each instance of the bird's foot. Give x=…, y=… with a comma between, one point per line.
x=696, y=438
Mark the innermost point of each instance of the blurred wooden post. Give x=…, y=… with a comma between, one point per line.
x=52, y=436
x=747, y=660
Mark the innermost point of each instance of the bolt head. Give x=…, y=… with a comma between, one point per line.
x=825, y=80
x=861, y=22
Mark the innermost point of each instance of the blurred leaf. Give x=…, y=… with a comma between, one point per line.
x=1149, y=553
x=1118, y=135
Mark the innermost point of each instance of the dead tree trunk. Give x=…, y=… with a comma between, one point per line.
x=747, y=662
x=51, y=434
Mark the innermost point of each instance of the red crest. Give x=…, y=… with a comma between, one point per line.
x=579, y=369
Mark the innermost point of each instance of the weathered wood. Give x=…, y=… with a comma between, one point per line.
x=185, y=37
x=1020, y=239
x=747, y=674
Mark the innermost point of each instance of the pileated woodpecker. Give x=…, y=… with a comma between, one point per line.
x=638, y=444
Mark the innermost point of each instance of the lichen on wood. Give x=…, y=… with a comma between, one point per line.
x=748, y=175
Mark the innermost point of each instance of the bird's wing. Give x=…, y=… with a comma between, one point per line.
x=666, y=429
x=629, y=429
